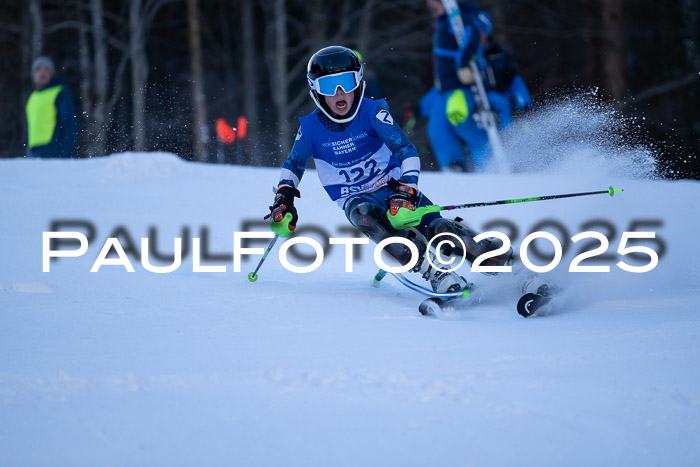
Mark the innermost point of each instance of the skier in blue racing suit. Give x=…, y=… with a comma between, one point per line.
x=367, y=166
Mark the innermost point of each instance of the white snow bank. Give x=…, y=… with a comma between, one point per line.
x=322, y=369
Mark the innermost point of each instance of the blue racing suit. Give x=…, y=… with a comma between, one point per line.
x=354, y=161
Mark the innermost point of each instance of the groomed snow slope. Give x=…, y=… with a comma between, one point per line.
x=192, y=368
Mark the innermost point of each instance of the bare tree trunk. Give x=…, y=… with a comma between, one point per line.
x=139, y=73
x=365, y=35
x=251, y=109
x=229, y=61
x=552, y=47
x=589, y=20
x=201, y=133
x=141, y=14
x=614, y=48
x=86, y=77
x=691, y=15
x=98, y=140
x=28, y=46
x=499, y=20
x=37, y=28
x=318, y=22
x=278, y=80
x=345, y=16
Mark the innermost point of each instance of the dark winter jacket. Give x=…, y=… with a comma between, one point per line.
x=502, y=76
x=52, y=124
x=448, y=55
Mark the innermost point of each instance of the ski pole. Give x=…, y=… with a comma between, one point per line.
x=253, y=276
x=487, y=120
x=280, y=229
x=405, y=218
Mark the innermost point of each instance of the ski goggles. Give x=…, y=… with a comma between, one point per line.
x=348, y=81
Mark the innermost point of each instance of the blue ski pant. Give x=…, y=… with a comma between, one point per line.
x=448, y=140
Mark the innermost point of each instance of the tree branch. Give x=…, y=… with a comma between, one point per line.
x=664, y=88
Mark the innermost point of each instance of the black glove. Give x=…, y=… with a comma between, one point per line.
x=405, y=196
x=284, y=203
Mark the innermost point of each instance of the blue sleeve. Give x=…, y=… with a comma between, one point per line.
x=450, y=56
x=67, y=122
x=427, y=102
x=519, y=94
x=295, y=164
x=471, y=45
x=397, y=141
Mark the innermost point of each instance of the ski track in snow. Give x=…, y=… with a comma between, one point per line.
x=118, y=368
x=31, y=288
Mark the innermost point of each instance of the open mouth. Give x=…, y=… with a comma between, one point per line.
x=341, y=105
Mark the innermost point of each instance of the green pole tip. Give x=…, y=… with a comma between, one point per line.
x=465, y=294
x=612, y=191
x=252, y=277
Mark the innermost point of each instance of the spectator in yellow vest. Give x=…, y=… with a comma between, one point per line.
x=52, y=124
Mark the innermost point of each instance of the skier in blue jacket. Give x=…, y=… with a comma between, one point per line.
x=451, y=106
x=451, y=109
x=367, y=166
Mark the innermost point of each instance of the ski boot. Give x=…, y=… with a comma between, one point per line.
x=441, y=282
x=471, y=249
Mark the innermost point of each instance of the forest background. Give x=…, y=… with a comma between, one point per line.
x=153, y=75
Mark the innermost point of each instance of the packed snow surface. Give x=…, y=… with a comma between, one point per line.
x=206, y=368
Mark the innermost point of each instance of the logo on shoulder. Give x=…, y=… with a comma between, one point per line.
x=385, y=117
x=298, y=135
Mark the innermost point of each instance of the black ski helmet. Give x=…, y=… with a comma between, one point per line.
x=333, y=60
